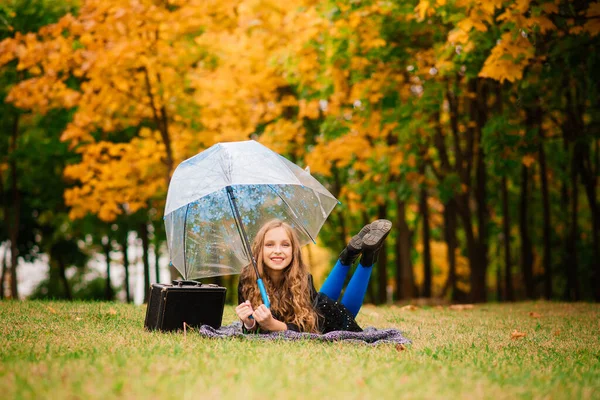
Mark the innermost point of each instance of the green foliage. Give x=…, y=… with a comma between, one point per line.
x=27, y=16
x=503, y=146
x=449, y=187
x=384, y=81
x=83, y=288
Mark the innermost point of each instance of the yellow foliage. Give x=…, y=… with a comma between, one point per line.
x=550, y=8
x=308, y=109
x=283, y=136
x=201, y=72
x=542, y=22
x=116, y=177
x=508, y=59
x=424, y=9
x=458, y=36
x=319, y=262
x=592, y=24
x=318, y=160
x=440, y=267
x=528, y=160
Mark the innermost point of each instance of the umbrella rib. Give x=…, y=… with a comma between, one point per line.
x=239, y=228
x=294, y=216
x=184, y=240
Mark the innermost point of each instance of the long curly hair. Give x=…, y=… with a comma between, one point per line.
x=290, y=297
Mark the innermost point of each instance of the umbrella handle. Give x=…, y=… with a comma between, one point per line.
x=263, y=292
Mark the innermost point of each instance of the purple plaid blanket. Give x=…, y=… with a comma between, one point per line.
x=370, y=335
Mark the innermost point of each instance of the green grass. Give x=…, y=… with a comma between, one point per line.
x=101, y=350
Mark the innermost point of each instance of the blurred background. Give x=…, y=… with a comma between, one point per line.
x=472, y=125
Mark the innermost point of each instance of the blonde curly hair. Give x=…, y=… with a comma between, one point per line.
x=290, y=297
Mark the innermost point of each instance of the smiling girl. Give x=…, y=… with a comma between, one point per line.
x=295, y=303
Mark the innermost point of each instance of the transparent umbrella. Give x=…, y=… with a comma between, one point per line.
x=218, y=200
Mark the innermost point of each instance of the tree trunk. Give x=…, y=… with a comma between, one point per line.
x=508, y=289
x=342, y=230
x=547, y=261
x=3, y=261
x=477, y=260
x=62, y=269
x=451, y=244
x=573, y=129
x=589, y=180
x=161, y=121
x=125, y=250
x=156, y=264
x=145, y=245
x=478, y=253
x=526, y=249
x=427, y=273
x=571, y=263
x=370, y=295
x=499, y=294
x=405, y=281
x=15, y=212
x=108, y=290
x=382, y=261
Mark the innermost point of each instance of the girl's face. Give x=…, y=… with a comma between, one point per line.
x=277, y=249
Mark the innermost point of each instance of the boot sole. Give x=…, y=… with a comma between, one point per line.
x=356, y=243
x=377, y=234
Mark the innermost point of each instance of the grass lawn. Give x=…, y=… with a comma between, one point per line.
x=101, y=350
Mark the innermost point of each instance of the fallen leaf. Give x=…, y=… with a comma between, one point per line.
x=516, y=334
x=534, y=315
x=78, y=319
x=360, y=382
x=400, y=347
x=557, y=332
x=461, y=307
x=112, y=311
x=52, y=310
x=409, y=307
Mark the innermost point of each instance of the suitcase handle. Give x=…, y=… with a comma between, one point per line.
x=180, y=282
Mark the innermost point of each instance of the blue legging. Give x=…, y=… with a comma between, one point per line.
x=356, y=289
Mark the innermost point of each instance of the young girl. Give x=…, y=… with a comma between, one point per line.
x=295, y=303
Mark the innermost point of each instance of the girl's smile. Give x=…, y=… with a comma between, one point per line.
x=277, y=249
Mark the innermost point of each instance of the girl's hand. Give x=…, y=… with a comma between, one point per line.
x=244, y=311
x=265, y=319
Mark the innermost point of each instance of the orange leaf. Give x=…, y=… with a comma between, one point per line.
x=534, y=315
x=516, y=334
x=528, y=160
x=409, y=307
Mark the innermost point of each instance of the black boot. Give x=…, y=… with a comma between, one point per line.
x=373, y=241
x=354, y=247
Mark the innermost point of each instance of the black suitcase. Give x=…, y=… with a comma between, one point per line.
x=191, y=302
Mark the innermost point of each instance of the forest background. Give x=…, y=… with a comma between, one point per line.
x=472, y=125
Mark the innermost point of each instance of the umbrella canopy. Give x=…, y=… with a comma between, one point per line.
x=203, y=234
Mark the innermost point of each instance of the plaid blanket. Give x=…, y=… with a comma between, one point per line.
x=370, y=335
